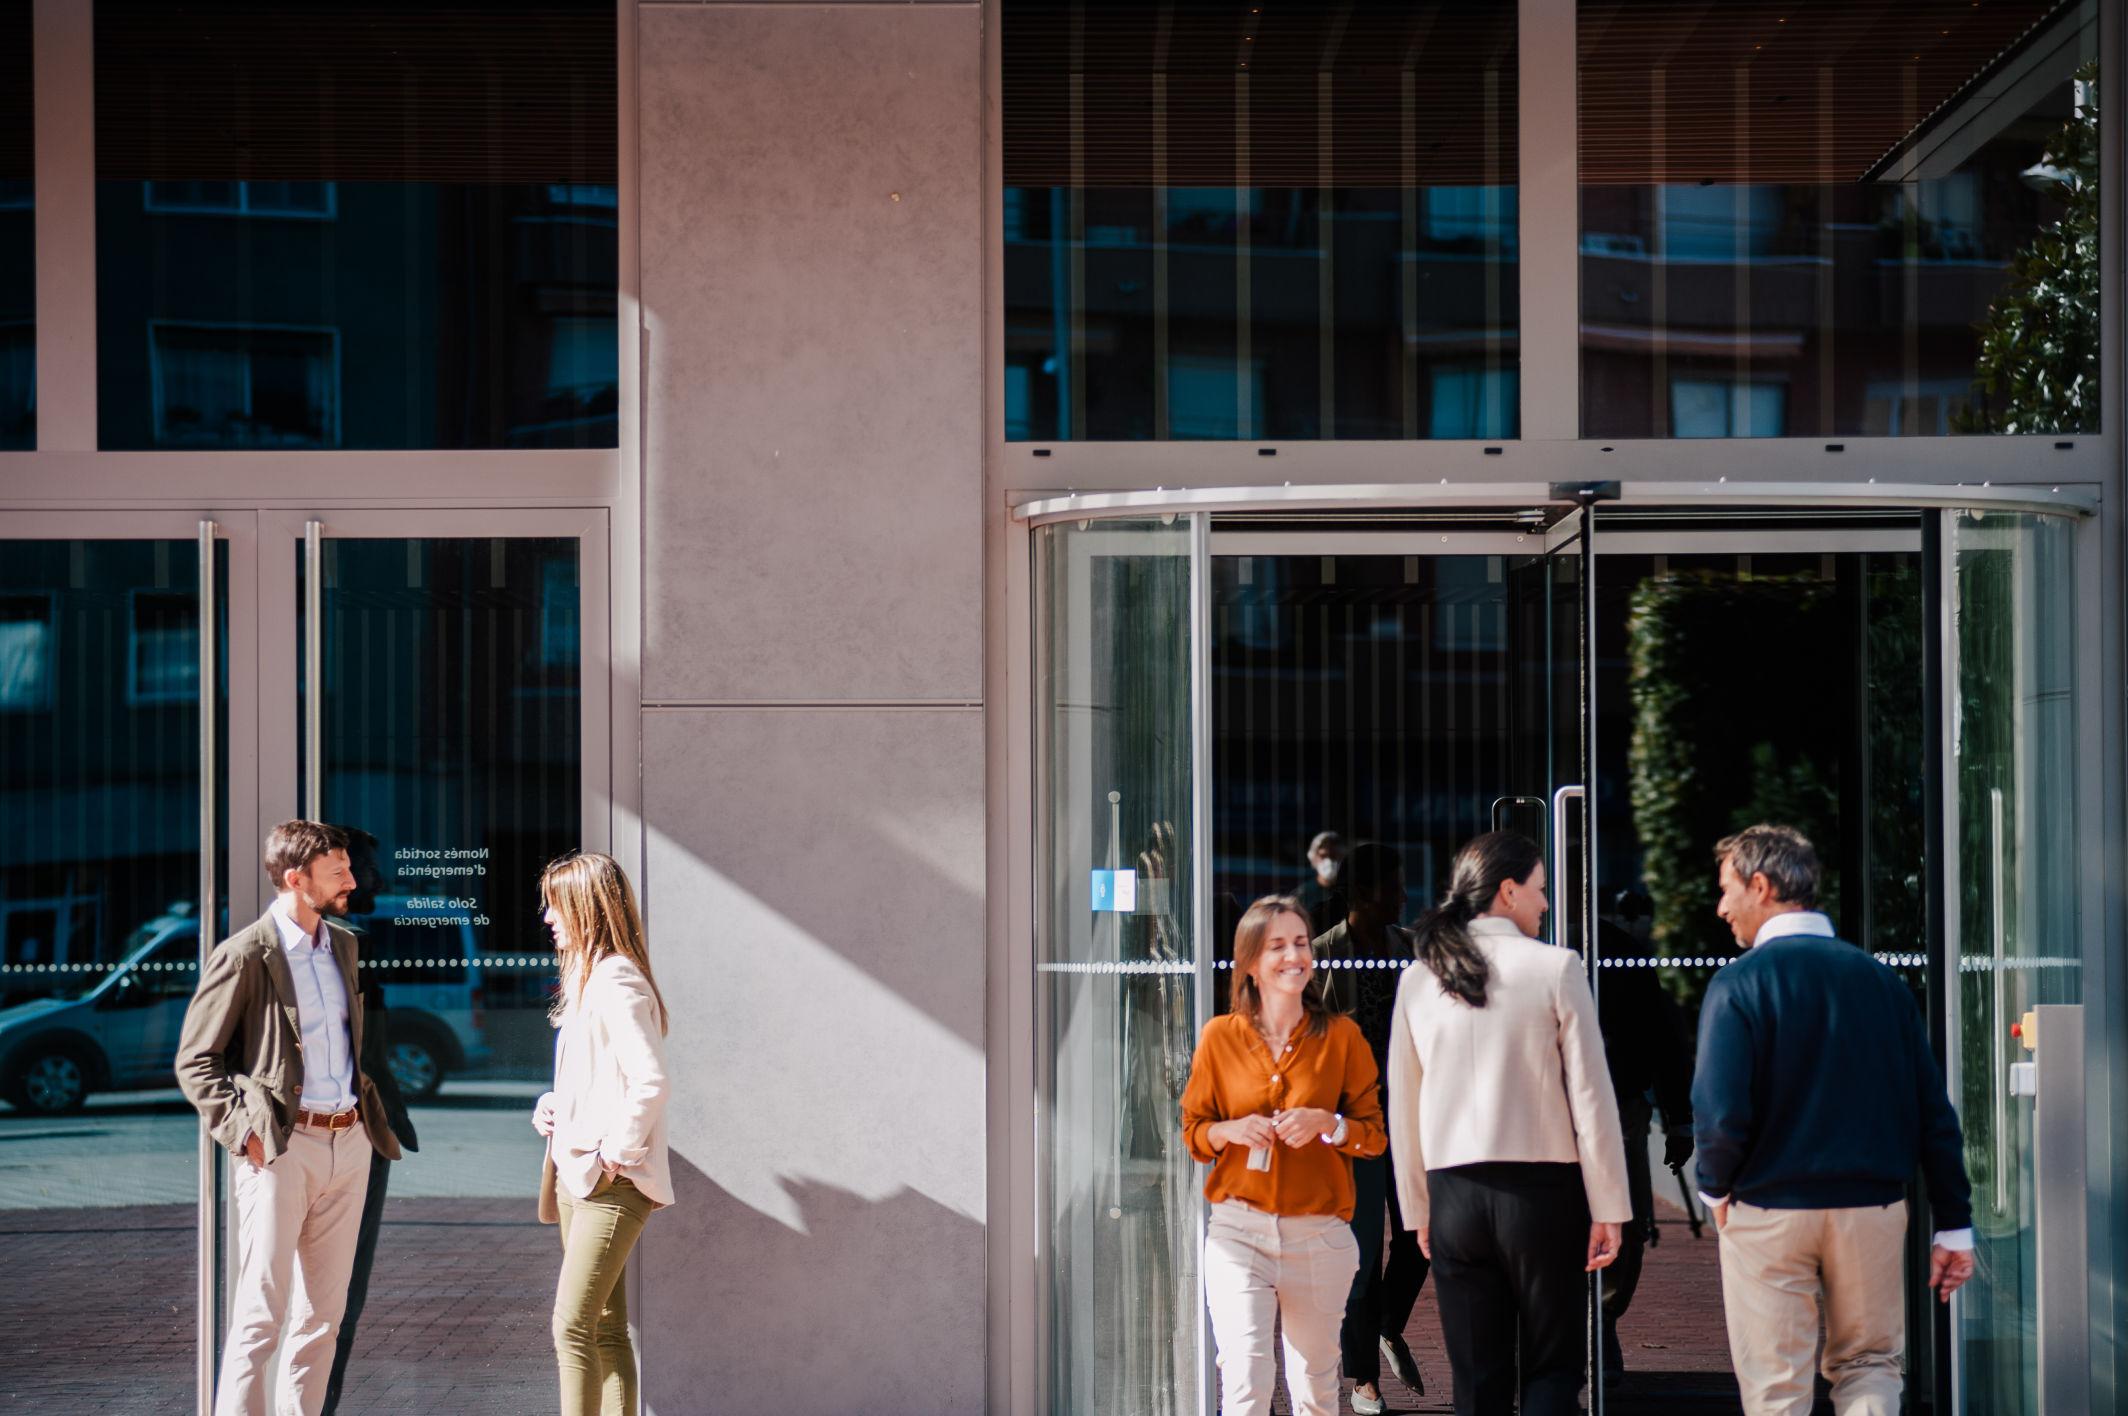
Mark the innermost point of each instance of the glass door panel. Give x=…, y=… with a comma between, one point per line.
x=103, y=771
x=459, y=732
x=2013, y=852
x=1118, y=967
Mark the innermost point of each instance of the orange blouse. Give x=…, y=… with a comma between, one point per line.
x=1234, y=1074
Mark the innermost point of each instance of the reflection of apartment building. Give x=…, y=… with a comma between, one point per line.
x=321, y=315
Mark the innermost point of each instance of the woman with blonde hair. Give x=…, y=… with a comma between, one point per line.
x=604, y=1123
x=1281, y=1096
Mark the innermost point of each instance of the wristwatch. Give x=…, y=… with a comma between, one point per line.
x=1336, y=1137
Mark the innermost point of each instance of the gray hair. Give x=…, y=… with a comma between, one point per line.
x=1782, y=854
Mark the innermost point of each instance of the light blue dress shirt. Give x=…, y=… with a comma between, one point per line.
x=321, y=1007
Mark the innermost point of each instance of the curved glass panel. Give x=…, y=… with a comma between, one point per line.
x=2012, y=681
x=1839, y=221
x=1226, y=222
x=1116, y=970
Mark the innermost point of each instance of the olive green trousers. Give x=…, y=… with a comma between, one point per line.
x=591, y=1346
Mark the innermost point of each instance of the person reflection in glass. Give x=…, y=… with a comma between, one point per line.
x=1360, y=960
x=1283, y=1095
x=1319, y=896
x=1644, y=1043
x=376, y=1065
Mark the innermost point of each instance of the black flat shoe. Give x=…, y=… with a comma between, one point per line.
x=1397, y=1353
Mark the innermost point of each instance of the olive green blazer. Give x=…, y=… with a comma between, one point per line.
x=240, y=1056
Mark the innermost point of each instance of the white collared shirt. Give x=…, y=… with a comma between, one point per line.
x=1792, y=923
x=321, y=1008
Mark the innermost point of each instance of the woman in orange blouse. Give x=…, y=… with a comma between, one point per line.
x=1282, y=1093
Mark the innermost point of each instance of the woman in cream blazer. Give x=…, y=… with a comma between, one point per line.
x=604, y=1123
x=1508, y=1155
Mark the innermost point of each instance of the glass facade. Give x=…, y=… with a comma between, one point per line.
x=323, y=229
x=99, y=955
x=1117, y=972
x=1827, y=221
x=1226, y=222
x=18, y=236
x=2012, y=677
x=452, y=742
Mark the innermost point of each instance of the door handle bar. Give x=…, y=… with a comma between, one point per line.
x=1560, y=874
x=1502, y=805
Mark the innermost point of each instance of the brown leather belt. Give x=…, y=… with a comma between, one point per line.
x=326, y=1121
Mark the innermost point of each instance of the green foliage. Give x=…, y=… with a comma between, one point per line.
x=1721, y=740
x=2038, y=369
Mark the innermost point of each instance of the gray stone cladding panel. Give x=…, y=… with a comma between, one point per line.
x=812, y=290
x=814, y=887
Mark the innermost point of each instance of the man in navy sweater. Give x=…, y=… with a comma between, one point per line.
x=1815, y=1098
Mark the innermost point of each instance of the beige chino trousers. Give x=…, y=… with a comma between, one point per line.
x=1776, y=1266
x=1263, y=1270
x=297, y=1221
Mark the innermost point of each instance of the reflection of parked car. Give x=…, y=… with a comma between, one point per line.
x=119, y=1031
x=435, y=1011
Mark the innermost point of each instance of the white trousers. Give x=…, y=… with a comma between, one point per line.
x=1263, y=1271
x=297, y=1221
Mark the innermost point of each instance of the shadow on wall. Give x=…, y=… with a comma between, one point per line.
x=869, y=1305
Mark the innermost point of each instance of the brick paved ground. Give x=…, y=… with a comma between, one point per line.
x=1676, y=1350
x=101, y=1318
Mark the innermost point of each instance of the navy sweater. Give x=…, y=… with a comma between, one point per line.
x=1816, y=1088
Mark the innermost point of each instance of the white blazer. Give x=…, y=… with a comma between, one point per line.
x=610, y=1086
x=1522, y=1078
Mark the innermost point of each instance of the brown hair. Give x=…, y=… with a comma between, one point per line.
x=293, y=845
x=1249, y=936
x=591, y=893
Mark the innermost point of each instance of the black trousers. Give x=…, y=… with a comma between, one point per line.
x=1510, y=1253
x=380, y=1172
x=1381, y=1301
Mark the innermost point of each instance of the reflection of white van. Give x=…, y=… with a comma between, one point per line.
x=118, y=1031
x=114, y=1031
x=435, y=1011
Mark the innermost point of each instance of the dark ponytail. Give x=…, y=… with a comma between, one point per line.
x=1443, y=941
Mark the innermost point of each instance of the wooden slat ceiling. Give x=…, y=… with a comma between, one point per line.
x=451, y=92
x=1807, y=91
x=16, y=139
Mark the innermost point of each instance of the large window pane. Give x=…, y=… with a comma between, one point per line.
x=1225, y=222
x=99, y=955
x=18, y=237
x=2013, y=686
x=1828, y=220
x=452, y=738
x=1117, y=965
x=334, y=227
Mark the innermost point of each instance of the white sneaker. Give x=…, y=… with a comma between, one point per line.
x=1364, y=1405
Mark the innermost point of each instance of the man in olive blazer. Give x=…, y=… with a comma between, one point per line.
x=270, y=1057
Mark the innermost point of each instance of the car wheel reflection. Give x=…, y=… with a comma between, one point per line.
x=416, y=1067
x=49, y=1082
